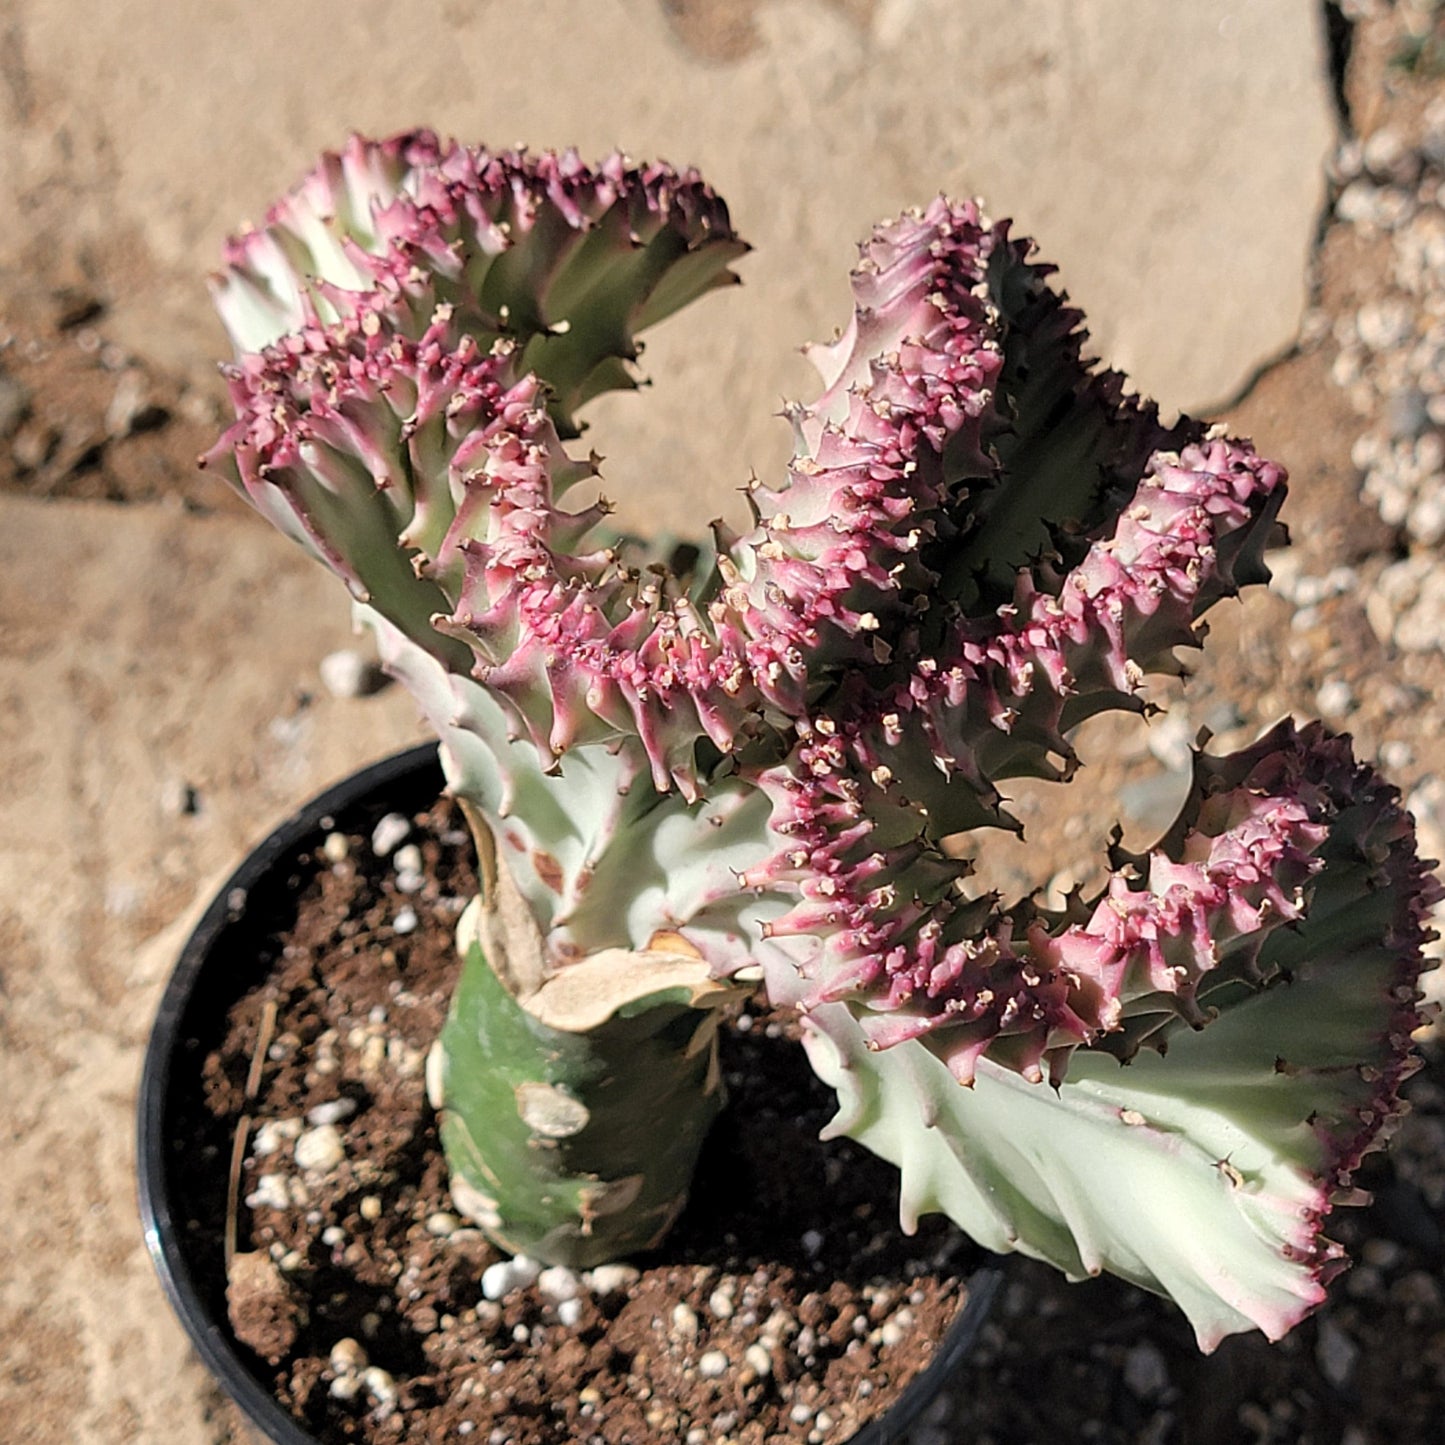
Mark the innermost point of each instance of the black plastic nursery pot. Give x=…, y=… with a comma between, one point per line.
x=185, y=1190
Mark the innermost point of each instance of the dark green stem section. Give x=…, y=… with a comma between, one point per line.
x=573, y=1148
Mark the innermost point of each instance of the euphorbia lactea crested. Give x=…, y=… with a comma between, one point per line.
x=682, y=784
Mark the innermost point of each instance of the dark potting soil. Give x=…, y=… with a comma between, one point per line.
x=786, y=1305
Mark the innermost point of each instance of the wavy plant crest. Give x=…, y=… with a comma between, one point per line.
x=680, y=782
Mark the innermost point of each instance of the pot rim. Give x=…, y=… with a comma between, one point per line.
x=222, y=1354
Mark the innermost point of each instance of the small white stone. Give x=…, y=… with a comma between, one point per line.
x=370, y=1208
x=273, y=1135
x=1358, y=203
x=379, y=1384
x=569, y=1313
x=331, y=1112
x=128, y=406
x=1426, y=521
x=1381, y=325
x=336, y=848
x=558, y=1283
x=270, y=1193
x=442, y=1224
x=320, y=1149
x=496, y=1280
x=405, y=921
x=506, y=1275
x=684, y=1322
x=1386, y=155
x=407, y=859
x=1335, y=698
x=1396, y=754
x=333, y=1235
x=612, y=1278
x=758, y=1360
x=388, y=833
x=347, y=1357
x=720, y=1303
x=713, y=1365
x=344, y=1387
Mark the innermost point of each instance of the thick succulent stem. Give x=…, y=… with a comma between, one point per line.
x=572, y=1122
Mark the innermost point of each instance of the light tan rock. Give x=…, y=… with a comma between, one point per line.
x=1169, y=156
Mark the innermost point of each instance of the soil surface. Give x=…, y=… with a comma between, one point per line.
x=786, y=1305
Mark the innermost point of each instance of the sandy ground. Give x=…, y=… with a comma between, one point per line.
x=160, y=703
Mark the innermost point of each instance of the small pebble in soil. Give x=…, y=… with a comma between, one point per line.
x=274, y=1135
x=379, y=1385
x=712, y=1365
x=320, y=1149
x=500, y=1279
x=609, y=1279
x=336, y=848
x=334, y=1111
x=405, y=921
x=390, y=831
x=684, y=1322
x=408, y=862
x=758, y=1360
x=557, y=1283
x=347, y=1356
x=270, y=1193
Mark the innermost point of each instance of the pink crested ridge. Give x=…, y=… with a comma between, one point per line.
x=343, y=409
x=464, y=461
x=425, y=219
x=1322, y=769
x=892, y=926
x=582, y=649
x=1015, y=990
x=1099, y=630
x=834, y=558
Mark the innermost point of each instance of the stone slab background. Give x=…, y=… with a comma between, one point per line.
x=1169, y=153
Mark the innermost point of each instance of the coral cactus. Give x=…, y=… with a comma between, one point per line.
x=681, y=785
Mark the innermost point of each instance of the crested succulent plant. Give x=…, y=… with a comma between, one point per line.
x=684, y=787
